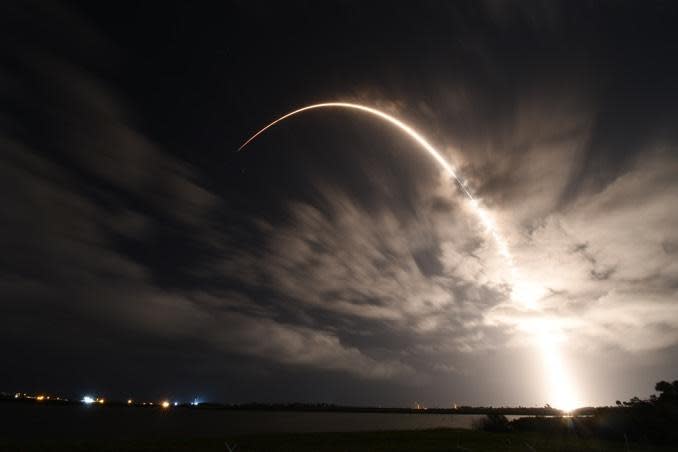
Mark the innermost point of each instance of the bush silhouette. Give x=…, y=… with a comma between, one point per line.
x=653, y=420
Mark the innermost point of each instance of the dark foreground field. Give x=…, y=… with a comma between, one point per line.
x=425, y=440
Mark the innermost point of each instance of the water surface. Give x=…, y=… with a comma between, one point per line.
x=49, y=421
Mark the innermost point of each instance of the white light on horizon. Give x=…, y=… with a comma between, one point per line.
x=88, y=400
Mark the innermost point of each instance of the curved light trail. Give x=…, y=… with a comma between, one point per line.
x=483, y=215
x=522, y=292
x=373, y=111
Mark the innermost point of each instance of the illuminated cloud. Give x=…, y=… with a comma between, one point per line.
x=334, y=257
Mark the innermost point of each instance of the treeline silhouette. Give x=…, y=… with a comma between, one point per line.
x=302, y=407
x=652, y=420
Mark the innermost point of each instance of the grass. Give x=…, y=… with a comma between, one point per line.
x=447, y=440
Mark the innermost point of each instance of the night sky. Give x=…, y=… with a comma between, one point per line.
x=332, y=260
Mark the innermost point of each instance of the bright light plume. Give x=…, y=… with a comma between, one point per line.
x=165, y=404
x=563, y=396
x=525, y=294
x=88, y=400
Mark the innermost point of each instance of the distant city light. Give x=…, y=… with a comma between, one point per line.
x=40, y=398
x=88, y=400
x=100, y=401
x=195, y=402
x=129, y=401
x=176, y=403
x=165, y=404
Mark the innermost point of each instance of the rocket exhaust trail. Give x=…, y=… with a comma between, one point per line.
x=388, y=118
x=486, y=220
x=483, y=215
x=518, y=285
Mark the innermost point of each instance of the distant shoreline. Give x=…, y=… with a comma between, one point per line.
x=321, y=407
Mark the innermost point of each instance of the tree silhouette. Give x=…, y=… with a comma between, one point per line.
x=668, y=392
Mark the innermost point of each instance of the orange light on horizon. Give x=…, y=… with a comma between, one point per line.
x=165, y=404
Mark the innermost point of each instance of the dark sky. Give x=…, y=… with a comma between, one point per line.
x=332, y=260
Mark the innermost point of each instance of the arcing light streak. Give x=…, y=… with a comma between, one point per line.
x=396, y=122
x=484, y=217
x=521, y=291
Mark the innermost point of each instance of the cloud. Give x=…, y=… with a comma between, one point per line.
x=93, y=212
x=603, y=262
x=338, y=284
x=349, y=252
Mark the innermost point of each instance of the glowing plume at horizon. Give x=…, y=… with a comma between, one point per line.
x=523, y=292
